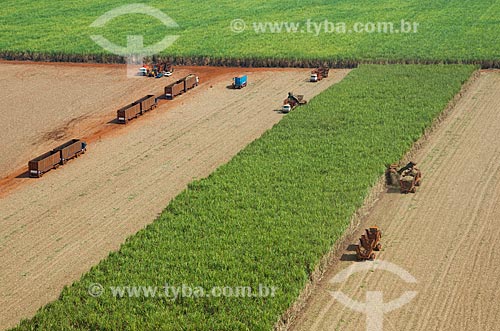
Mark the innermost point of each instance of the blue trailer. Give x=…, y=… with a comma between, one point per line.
x=240, y=82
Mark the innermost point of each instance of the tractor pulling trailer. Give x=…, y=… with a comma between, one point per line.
x=56, y=157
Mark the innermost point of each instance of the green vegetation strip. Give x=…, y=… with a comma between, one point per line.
x=269, y=215
x=448, y=30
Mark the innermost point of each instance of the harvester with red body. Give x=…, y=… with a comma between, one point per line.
x=406, y=178
x=292, y=101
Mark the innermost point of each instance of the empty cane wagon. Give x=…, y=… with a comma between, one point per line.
x=128, y=112
x=174, y=89
x=56, y=157
x=190, y=81
x=70, y=150
x=147, y=103
x=43, y=163
x=181, y=86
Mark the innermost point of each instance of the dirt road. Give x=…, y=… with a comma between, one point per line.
x=57, y=227
x=444, y=235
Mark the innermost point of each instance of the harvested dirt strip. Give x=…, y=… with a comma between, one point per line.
x=443, y=235
x=56, y=228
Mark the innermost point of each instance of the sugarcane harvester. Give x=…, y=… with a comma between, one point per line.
x=406, y=178
x=292, y=102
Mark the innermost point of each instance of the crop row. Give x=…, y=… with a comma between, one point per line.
x=234, y=62
x=266, y=217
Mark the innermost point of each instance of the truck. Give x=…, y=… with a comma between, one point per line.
x=239, y=82
x=70, y=150
x=319, y=73
x=128, y=112
x=143, y=71
x=147, y=103
x=292, y=102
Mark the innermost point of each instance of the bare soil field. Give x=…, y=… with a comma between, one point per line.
x=444, y=235
x=46, y=104
x=57, y=227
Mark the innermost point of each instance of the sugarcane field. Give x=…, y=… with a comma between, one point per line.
x=249, y=166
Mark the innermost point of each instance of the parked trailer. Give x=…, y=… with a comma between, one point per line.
x=181, y=86
x=45, y=162
x=190, y=81
x=71, y=149
x=128, y=112
x=147, y=103
x=174, y=89
x=56, y=157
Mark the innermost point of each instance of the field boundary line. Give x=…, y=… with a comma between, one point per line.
x=288, y=318
x=235, y=62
